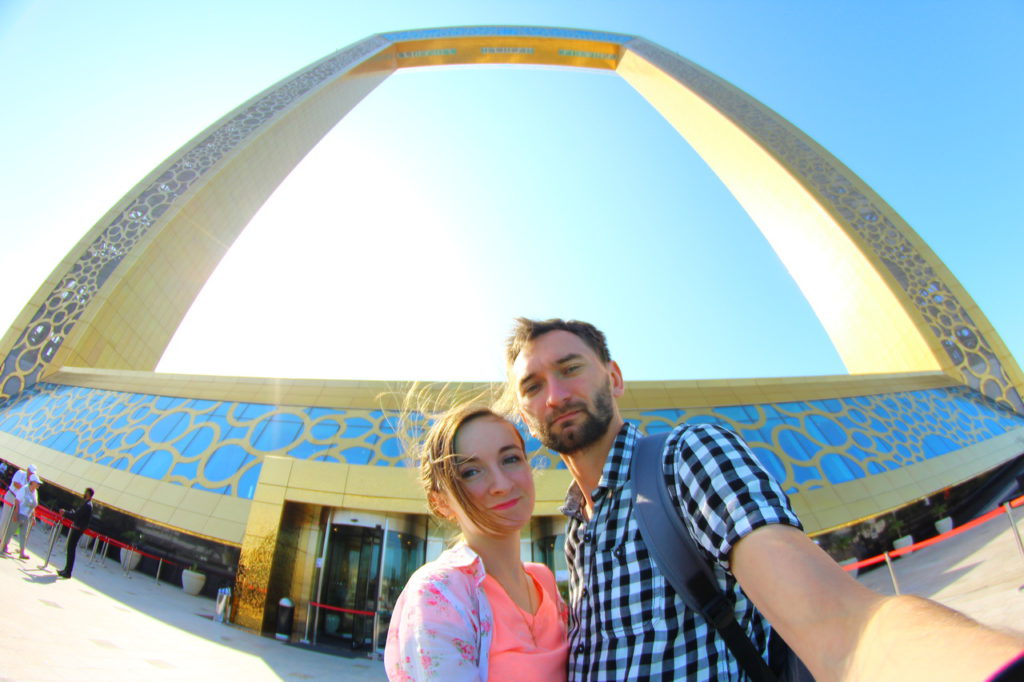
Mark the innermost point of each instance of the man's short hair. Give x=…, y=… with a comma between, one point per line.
x=526, y=330
x=90, y=492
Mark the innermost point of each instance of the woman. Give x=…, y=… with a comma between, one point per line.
x=477, y=612
x=28, y=500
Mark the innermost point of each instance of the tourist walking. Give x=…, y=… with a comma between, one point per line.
x=25, y=518
x=9, y=518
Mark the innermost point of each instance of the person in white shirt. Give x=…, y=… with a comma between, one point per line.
x=27, y=503
x=9, y=518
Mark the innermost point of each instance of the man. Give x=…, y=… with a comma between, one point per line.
x=79, y=523
x=624, y=621
x=18, y=481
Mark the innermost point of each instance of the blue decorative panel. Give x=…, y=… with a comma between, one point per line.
x=219, y=446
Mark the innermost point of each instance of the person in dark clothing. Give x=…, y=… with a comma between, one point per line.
x=79, y=523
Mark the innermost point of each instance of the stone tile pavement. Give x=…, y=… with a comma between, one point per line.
x=102, y=625
x=979, y=572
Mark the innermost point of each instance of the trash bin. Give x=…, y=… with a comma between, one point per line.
x=285, y=615
x=222, y=612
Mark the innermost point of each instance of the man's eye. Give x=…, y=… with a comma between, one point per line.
x=571, y=369
x=530, y=389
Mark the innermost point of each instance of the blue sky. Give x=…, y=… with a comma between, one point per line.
x=451, y=200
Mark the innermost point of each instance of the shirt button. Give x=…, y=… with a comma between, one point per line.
x=579, y=649
x=588, y=537
x=619, y=551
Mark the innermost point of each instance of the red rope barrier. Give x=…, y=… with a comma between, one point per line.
x=48, y=514
x=250, y=586
x=974, y=523
x=863, y=563
x=338, y=608
x=984, y=518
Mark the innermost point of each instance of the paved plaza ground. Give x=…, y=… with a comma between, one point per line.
x=103, y=625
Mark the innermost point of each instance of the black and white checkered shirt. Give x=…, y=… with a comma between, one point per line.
x=625, y=623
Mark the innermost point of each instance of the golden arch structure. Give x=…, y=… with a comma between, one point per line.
x=933, y=397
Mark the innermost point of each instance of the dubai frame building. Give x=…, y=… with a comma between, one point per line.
x=300, y=488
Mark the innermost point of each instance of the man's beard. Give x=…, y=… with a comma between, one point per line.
x=595, y=424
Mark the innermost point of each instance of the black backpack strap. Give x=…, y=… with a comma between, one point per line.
x=676, y=555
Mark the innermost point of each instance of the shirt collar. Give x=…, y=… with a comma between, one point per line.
x=464, y=559
x=613, y=476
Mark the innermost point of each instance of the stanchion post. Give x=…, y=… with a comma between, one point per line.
x=316, y=619
x=95, y=546
x=158, y=567
x=892, y=573
x=1016, y=531
x=54, y=534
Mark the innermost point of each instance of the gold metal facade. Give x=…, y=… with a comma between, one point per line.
x=105, y=315
x=104, y=305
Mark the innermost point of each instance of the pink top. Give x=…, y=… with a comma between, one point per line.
x=443, y=628
x=528, y=646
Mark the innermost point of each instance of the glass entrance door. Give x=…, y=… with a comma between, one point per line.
x=402, y=556
x=350, y=584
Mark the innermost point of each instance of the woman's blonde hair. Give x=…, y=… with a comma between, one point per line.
x=439, y=462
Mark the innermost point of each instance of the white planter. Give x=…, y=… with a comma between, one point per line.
x=943, y=525
x=129, y=559
x=904, y=541
x=192, y=581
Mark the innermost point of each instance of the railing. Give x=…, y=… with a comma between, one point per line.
x=1006, y=508
x=101, y=543
x=56, y=521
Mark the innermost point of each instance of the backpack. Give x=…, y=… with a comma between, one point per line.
x=674, y=552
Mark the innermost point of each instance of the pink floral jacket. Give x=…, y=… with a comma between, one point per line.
x=442, y=624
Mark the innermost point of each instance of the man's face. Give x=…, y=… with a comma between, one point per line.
x=565, y=392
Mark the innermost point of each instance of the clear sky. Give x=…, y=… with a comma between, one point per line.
x=450, y=201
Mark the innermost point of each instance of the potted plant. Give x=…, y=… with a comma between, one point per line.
x=842, y=546
x=130, y=559
x=192, y=579
x=898, y=527
x=943, y=522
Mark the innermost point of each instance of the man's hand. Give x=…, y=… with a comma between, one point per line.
x=843, y=630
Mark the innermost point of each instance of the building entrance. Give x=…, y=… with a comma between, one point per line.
x=365, y=567
x=351, y=572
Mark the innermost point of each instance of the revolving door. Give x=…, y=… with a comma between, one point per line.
x=350, y=576
x=363, y=570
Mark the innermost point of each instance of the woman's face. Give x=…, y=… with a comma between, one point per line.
x=494, y=473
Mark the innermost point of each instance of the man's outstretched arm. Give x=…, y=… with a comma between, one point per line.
x=845, y=631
